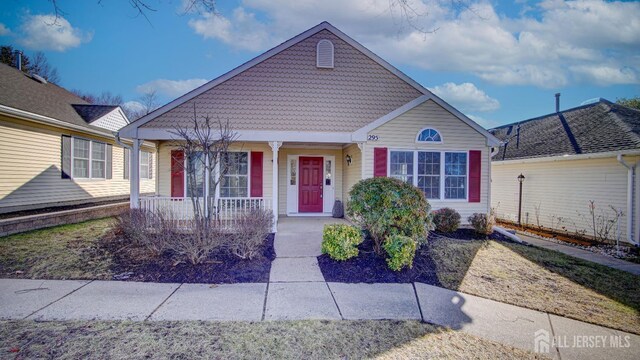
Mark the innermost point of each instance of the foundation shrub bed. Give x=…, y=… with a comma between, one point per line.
x=341, y=241
x=385, y=206
x=252, y=228
x=482, y=223
x=401, y=251
x=446, y=220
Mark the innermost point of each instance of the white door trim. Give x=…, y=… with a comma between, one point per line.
x=328, y=193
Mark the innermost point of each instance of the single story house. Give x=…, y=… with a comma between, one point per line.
x=314, y=115
x=568, y=159
x=59, y=150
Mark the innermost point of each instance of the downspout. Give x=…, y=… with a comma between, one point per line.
x=631, y=177
x=494, y=152
x=117, y=136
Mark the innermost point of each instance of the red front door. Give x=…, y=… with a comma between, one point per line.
x=310, y=187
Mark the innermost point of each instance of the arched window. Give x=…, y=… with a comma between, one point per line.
x=324, y=54
x=429, y=135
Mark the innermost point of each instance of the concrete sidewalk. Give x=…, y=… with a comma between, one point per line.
x=114, y=300
x=582, y=254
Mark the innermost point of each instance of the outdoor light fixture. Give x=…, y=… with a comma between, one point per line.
x=520, y=180
x=348, y=160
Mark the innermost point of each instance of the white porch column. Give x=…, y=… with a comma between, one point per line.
x=362, y=160
x=134, y=178
x=275, y=146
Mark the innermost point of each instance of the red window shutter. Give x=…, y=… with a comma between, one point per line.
x=177, y=173
x=475, y=175
x=379, y=162
x=256, y=174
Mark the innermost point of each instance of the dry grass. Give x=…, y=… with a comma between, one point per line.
x=540, y=279
x=228, y=340
x=62, y=252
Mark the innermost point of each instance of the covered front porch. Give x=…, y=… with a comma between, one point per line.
x=305, y=180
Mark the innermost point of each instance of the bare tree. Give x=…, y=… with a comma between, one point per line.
x=149, y=101
x=205, y=143
x=104, y=98
x=40, y=65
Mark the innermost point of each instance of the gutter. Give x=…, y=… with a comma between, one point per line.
x=631, y=179
x=601, y=155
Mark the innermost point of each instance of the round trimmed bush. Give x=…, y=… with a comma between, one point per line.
x=446, y=220
x=482, y=223
x=341, y=241
x=386, y=206
x=401, y=250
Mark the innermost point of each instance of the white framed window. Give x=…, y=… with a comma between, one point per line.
x=195, y=163
x=455, y=175
x=429, y=173
x=89, y=159
x=429, y=135
x=401, y=165
x=441, y=175
x=145, y=168
x=235, y=182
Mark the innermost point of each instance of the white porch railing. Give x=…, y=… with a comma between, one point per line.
x=182, y=210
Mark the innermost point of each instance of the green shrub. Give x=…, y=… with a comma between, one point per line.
x=385, y=206
x=482, y=223
x=401, y=250
x=341, y=241
x=446, y=220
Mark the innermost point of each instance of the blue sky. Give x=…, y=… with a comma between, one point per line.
x=498, y=62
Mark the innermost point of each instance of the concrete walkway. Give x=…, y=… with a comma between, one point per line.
x=114, y=300
x=583, y=254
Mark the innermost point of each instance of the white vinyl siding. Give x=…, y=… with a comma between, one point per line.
x=400, y=134
x=30, y=169
x=558, y=192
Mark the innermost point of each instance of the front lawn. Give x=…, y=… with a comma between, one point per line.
x=232, y=340
x=539, y=279
x=62, y=252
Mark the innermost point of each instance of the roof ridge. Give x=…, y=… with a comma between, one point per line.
x=618, y=120
x=602, y=100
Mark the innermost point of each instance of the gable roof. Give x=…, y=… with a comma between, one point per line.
x=91, y=113
x=281, y=90
x=594, y=128
x=20, y=93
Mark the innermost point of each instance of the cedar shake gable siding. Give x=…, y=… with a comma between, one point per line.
x=287, y=92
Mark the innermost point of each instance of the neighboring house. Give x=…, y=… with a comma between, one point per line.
x=330, y=112
x=57, y=149
x=568, y=159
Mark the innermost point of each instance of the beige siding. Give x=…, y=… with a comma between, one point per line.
x=352, y=173
x=560, y=189
x=400, y=133
x=283, y=176
x=30, y=168
x=164, y=165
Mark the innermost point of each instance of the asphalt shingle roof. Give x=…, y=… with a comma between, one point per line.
x=19, y=91
x=599, y=127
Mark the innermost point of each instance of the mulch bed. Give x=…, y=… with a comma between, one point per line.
x=222, y=268
x=368, y=267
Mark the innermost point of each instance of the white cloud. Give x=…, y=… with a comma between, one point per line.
x=170, y=88
x=485, y=123
x=551, y=44
x=466, y=97
x=242, y=31
x=46, y=32
x=4, y=30
x=133, y=106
